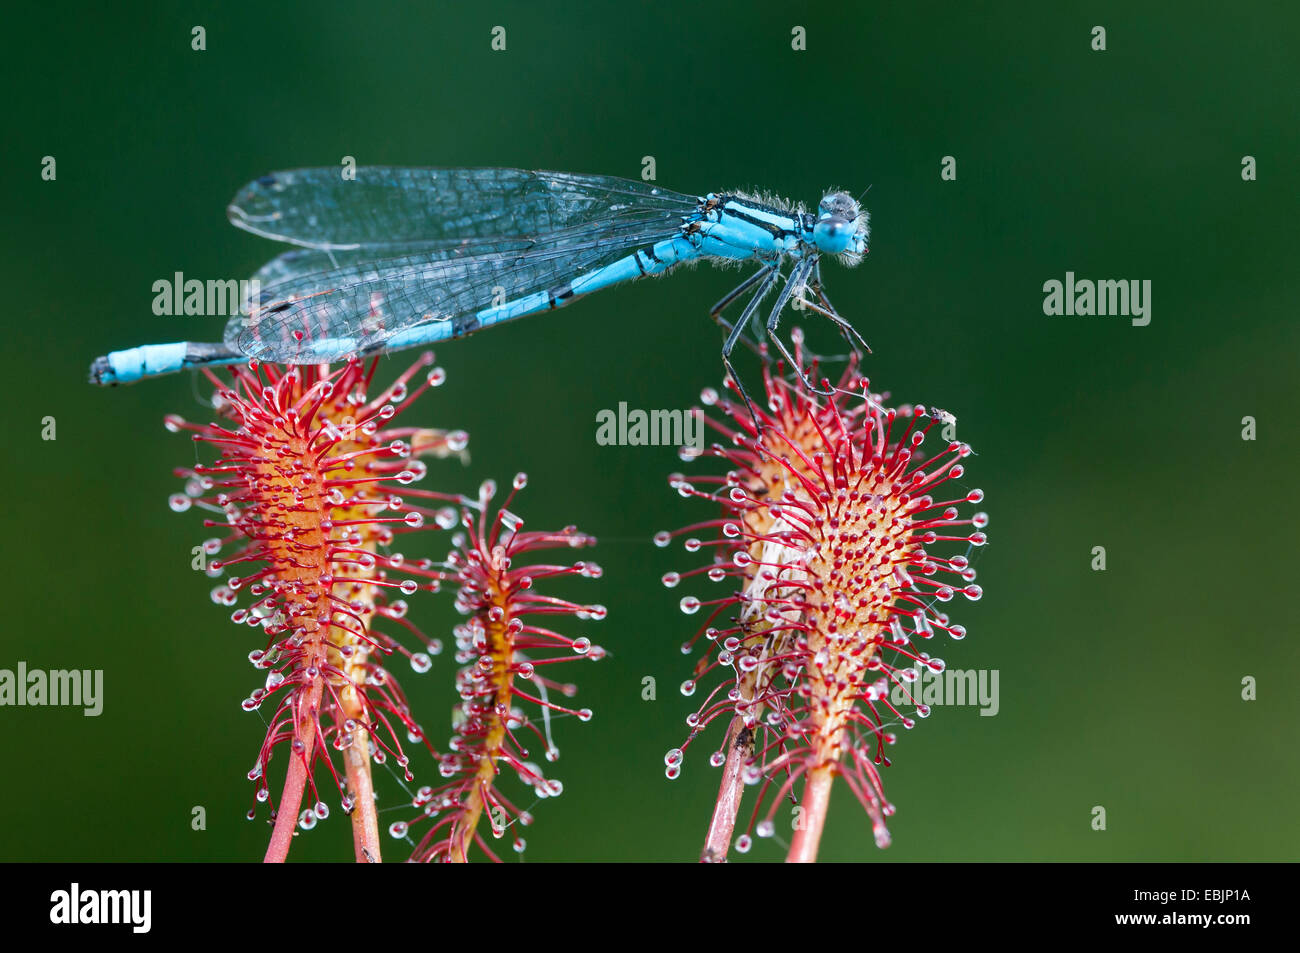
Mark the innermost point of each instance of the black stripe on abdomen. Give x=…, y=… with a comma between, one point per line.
x=560, y=293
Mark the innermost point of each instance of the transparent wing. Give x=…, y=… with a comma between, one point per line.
x=307, y=316
x=391, y=207
x=300, y=263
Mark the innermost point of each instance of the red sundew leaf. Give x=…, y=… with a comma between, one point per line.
x=827, y=518
x=502, y=646
x=309, y=493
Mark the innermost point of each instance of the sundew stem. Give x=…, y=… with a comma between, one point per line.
x=816, y=799
x=295, y=779
x=365, y=820
x=731, y=791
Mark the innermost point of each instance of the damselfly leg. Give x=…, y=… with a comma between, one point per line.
x=765, y=278
x=716, y=311
x=826, y=309
x=798, y=278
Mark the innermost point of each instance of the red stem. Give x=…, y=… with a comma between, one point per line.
x=816, y=798
x=286, y=818
x=295, y=780
x=722, y=825
x=365, y=820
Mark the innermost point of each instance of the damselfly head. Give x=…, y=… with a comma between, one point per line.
x=841, y=227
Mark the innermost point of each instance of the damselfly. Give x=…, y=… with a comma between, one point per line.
x=403, y=257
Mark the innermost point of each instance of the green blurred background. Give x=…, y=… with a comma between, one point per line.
x=1119, y=688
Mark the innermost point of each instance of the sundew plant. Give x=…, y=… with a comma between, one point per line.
x=836, y=530
x=825, y=586
x=313, y=494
